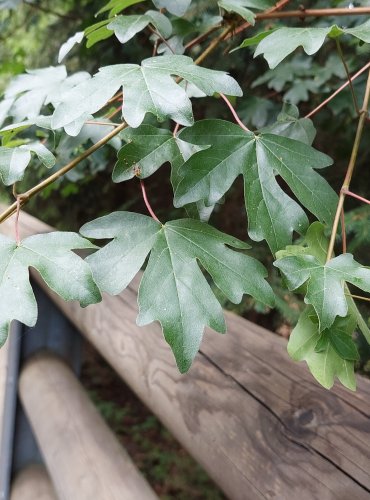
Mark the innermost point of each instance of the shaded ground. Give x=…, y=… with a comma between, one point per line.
x=169, y=469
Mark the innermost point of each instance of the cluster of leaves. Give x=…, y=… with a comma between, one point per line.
x=283, y=189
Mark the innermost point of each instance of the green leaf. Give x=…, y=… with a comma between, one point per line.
x=116, y=6
x=282, y=42
x=289, y=125
x=153, y=81
x=62, y=270
x=98, y=32
x=176, y=7
x=315, y=243
x=173, y=290
x=147, y=150
x=325, y=282
x=343, y=344
x=126, y=27
x=254, y=40
x=14, y=161
x=67, y=46
x=326, y=364
x=272, y=214
x=240, y=7
x=287, y=40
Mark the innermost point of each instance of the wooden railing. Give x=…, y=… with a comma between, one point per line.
x=256, y=421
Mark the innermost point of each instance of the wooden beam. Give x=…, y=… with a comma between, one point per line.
x=33, y=483
x=83, y=457
x=256, y=421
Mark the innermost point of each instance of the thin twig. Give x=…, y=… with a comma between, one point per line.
x=97, y=122
x=211, y=47
x=343, y=227
x=279, y=5
x=350, y=169
x=234, y=113
x=341, y=55
x=147, y=204
x=176, y=129
x=342, y=87
x=357, y=297
x=358, y=197
x=303, y=13
x=199, y=39
x=25, y=197
x=162, y=39
x=114, y=113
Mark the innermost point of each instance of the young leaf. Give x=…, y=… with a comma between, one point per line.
x=272, y=214
x=326, y=364
x=176, y=7
x=97, y=32
x=173, y=290
x=153, y=81
x=126, y=27
x=62, y=270
x=325, y=282
x=147, y=150
x=69, y=44
x=14, y=161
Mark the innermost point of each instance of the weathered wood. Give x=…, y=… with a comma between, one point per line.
x=3, y=373
x=255, y=420
x=33, y=483
x=83, y=457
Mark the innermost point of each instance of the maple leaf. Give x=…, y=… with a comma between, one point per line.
x=173, y=289
x=153, y=82
x=61, y=269
x=272, y=214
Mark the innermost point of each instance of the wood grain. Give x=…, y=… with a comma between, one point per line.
x=258, y=422
x=33, y=483
x=3, y=375
x=83, y=457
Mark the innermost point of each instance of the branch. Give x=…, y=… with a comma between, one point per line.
x=342, y=87
x=350, y=169
x=25, y=197
x=303, y=13
x=279, y=5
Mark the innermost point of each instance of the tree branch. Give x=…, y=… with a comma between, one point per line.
x=22, y=199
x=350, y=169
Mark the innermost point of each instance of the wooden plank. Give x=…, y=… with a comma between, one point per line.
x=33, y=483
x=83, y=457
x=255, y=420
x=3, y=375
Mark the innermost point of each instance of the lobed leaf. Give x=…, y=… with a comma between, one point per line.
x=62, y=270
x=307, y=344
x=325, y=290
x=272, y=214
x=153, y=81
x=173, y=290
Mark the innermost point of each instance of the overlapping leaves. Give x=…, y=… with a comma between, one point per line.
x=158, y=93
x=272, y=214
x=173, y=289
x=323, y=338
x=243, y=7
x=62, y=270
